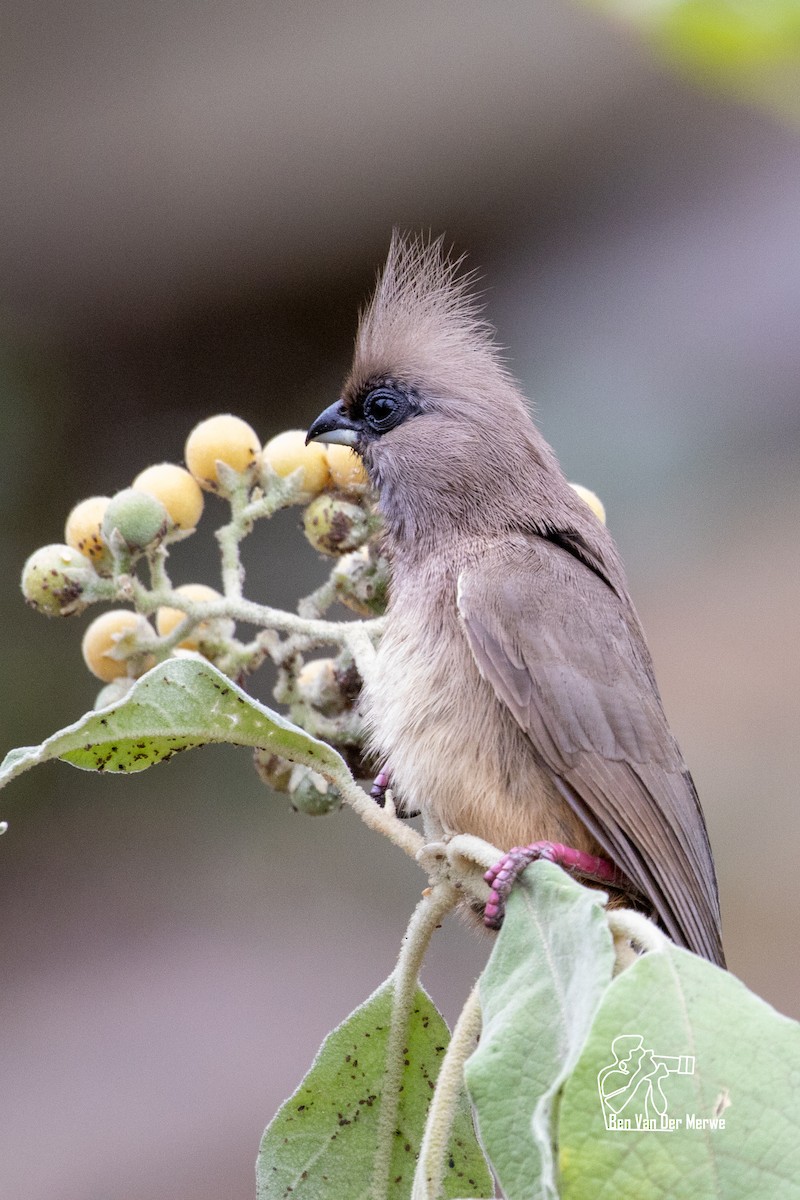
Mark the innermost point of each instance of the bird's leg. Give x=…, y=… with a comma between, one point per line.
x=383, y=781
x=502, y=875
x=380, y=786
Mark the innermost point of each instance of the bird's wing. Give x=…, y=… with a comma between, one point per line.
x=565, y=653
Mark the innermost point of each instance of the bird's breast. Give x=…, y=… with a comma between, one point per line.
x=453, y=748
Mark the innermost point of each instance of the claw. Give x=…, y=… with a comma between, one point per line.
x=382, y=783
x=502, y=876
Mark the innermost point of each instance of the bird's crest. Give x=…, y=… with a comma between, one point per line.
x=424, y=322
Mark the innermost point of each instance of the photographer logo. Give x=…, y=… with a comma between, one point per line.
x=635, y=1090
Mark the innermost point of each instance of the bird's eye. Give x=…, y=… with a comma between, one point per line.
x=383, y=409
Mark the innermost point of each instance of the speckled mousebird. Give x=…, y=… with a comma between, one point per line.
x=514, y=696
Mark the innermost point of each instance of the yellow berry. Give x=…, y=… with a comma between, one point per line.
x=102, y=636
x=83, y=529
x=168, y=619
x=288, y=452
x=55, y=578
x=323, y=685
x=224, y=439
x=177, y=490
x=346, y=468
x=315, y=676
x=594, y=501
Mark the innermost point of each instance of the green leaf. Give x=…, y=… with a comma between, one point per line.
x=539, y=994
x=740, y=1071
x=321, y=1144
x=180, y=704
x=751, y=47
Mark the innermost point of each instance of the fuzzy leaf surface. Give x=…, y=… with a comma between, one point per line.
x=178, y=705
x=539, y=993
x=726, y=1057
x=321, y=1143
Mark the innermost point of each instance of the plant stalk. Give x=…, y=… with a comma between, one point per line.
x=426, y=917
x=441, y=1114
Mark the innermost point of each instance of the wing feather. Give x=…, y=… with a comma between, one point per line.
x=564, y=651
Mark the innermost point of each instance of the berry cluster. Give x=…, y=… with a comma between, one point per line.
x=116, y=548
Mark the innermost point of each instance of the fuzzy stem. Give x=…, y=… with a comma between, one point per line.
x=247, y=507
x=441, y=1114
x=246, y=657
x=630, y=929
x=319, y=601
x=402, y=835
x=323, y=632
x=229, y=537
x=358, y=641
x=310, y=631
x=426, y=917
x=157, y=561
x=101, y=590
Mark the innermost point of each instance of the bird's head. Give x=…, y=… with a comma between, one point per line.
x=442, y=428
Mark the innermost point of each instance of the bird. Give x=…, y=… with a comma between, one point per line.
x=513, y=696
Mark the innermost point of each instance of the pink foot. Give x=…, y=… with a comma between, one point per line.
x=502, y=875
x=383, y=781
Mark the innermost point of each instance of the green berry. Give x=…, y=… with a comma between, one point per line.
x=334, y=526
x=138, y=518
x=55, y=578
x=311, y=794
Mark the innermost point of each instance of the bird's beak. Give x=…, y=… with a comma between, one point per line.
x=334, y=425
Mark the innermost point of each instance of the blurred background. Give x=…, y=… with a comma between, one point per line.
x=194, y=202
